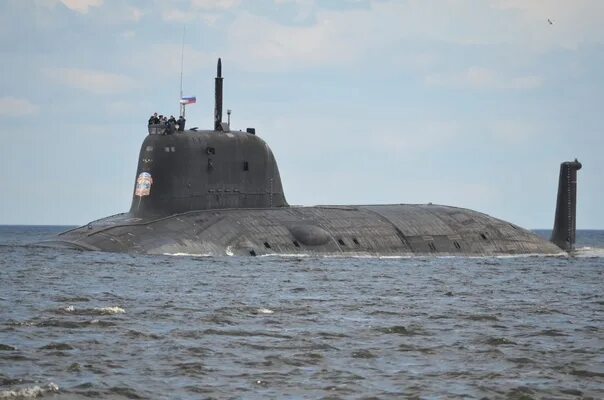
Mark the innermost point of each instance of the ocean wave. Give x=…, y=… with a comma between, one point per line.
x=561, y=254
x=583, y=252
x=286, y=255
x=110, y=310
x=29, y=392
x=94, y=311
x=186, y=255
x=589, y=252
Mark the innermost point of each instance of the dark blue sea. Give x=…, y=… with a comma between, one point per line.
x=80, y=325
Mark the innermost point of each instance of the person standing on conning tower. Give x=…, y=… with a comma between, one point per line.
x=181, y=123
x=153, y=119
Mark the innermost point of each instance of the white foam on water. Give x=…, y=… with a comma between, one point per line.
x=582, y=252
x=69, y=309
x=527, y=255
x=589, y=252
x=285, y=255
x=30, y=392
x=186, y=255
x=264, y=311
x=391, y=257
x=110, y=310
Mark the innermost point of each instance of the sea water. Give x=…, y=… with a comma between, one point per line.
x=100, y=325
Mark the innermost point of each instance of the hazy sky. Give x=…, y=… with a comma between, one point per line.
x=472, y=103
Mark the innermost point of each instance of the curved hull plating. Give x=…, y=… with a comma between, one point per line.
x=374, y=230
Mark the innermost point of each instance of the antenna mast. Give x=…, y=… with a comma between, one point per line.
x=182, y=59
x=218, y=98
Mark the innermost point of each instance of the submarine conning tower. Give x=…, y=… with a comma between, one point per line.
x=181, y=171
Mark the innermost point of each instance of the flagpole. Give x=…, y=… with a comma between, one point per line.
x=182, y=59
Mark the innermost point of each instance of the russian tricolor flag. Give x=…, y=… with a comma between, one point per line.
x=188, y=100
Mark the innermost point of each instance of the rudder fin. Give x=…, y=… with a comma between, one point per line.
x=565, y=222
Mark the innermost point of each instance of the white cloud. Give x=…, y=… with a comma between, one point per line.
x=335, y=38
x=574, y=22
x=305, y=7
x=269, y=45
x=339, y=37
x=214, y=4
x=94, y=81
x=81, y=6
x=14, y=107
x=180, y=16
x=483, y=78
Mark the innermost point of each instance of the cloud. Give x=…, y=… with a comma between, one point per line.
x=340, y=37
x=214, y=4
x=574, y=22
x=305, y=7
x=14, y=107
x=268, y=44
x=81, y=6
x=483, y=78
x=175, y=15
x=93, y=81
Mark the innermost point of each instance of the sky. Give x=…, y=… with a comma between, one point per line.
x=470, y=103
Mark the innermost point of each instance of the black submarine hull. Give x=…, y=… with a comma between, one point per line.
x=368, y=230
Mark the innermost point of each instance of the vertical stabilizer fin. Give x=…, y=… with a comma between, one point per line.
x=565, y=222
x=218, y=97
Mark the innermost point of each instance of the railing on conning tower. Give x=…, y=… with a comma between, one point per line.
x=161, y=129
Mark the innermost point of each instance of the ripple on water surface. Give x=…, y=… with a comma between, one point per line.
x=97, y=325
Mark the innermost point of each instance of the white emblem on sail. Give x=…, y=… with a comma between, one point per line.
x=143, y=184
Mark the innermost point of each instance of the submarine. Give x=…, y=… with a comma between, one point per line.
x=218, y=192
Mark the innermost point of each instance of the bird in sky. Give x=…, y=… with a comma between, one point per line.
x=550, y=21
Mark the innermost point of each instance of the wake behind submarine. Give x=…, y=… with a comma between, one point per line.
x=218, y=192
